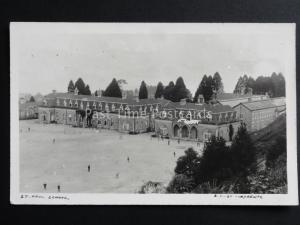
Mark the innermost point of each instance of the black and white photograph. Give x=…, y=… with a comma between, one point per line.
x=153, y=113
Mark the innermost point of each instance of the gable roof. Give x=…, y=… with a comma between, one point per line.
x=262, y=104
x=215, y=108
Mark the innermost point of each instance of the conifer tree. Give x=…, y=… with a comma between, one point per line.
x=143, y=92
x=113, y=90
x=71, y=87
x=159, y=90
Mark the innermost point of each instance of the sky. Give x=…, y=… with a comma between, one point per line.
x=46, y=56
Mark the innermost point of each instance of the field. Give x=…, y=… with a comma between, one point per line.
x=59, y=155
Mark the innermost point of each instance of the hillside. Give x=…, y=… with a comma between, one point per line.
x=267, y=136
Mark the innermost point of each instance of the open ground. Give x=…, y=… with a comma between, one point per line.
x=56, y=154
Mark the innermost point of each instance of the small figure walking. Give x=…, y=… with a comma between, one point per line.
x=168, y=142
x=117, y=175
x=178, y=141
x=58, y=188
x=53, y=141
x=128, y=160
x=45, y=186
x=28, y=129
x=89, y=168
x=174, y=154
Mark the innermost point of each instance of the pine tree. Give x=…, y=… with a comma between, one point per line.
x=113, y=90
x=71, y=87
x=243, y=152
x=208, y=89
x=80, y=85
x=87, y=90
x=159, y=90
x=217, y=83
x=180, y=91
x=168, y=92
x=143, y=92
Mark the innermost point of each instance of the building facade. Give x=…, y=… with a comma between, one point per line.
x=259, y=114
x=181, y=120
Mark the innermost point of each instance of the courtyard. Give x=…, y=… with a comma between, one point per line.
x=56, y=154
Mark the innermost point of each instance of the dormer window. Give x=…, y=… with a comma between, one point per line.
x=141, y=109
x=65, y=103
x=57, y=102
x=45, y=102
x=145, y=109
x=70, y=103
x=113, y=108
x=151, y=108
x=127, y=108
x=81, y=105
x=87, y=105
x=76, y=103
x=121, y=107
x=100, y=105
x=94, y=105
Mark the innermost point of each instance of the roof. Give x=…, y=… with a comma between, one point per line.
x=262, y=104
x=216, y=108
x=27, y=105
x=231, y=96
x=105, y=99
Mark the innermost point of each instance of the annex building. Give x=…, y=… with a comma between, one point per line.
x=259, y=114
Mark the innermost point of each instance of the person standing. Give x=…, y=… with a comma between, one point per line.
x=58, y=188
x=89, y=168
x=45, y=186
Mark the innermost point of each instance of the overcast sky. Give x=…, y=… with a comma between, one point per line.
x=47, y=56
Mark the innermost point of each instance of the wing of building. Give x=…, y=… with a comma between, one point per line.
x=258, y=114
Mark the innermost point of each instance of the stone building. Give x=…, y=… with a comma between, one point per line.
x=259, y=114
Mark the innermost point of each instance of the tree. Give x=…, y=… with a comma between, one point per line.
x=243, y=152
x=80, y=85
x=179, y=92
x=143, y=93
x=96, y=93
x=217, y=83
x=31, y=99
x=200, y=88
x=87, y=90
x=215, y=162
x=168, y=91
x=188, y=163
x=71, y=87
x=159, y=90
x=180, y=184
x=113, y=90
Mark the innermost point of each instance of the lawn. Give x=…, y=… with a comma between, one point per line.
x=65, y=161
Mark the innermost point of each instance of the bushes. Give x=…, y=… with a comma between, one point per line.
x=217, y=165
x=181, y=184
x=277, y=149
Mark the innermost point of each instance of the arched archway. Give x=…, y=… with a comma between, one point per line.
x=176, y=131
x=184, y=132
x=194, y=133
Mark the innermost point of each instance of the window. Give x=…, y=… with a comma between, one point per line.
x=70, y=103
x=76, y=104
x=65, y=103
x=57, y=102
x=113, y=107
x=94, y=105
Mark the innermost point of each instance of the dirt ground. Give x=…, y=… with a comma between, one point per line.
x=55, y=155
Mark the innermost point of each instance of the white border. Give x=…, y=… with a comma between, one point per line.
x=156, y=199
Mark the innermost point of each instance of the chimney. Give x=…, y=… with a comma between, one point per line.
x=183, y=101
x=200, y=99
x=99, y=93
x=53, y=91
x=137, y=98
